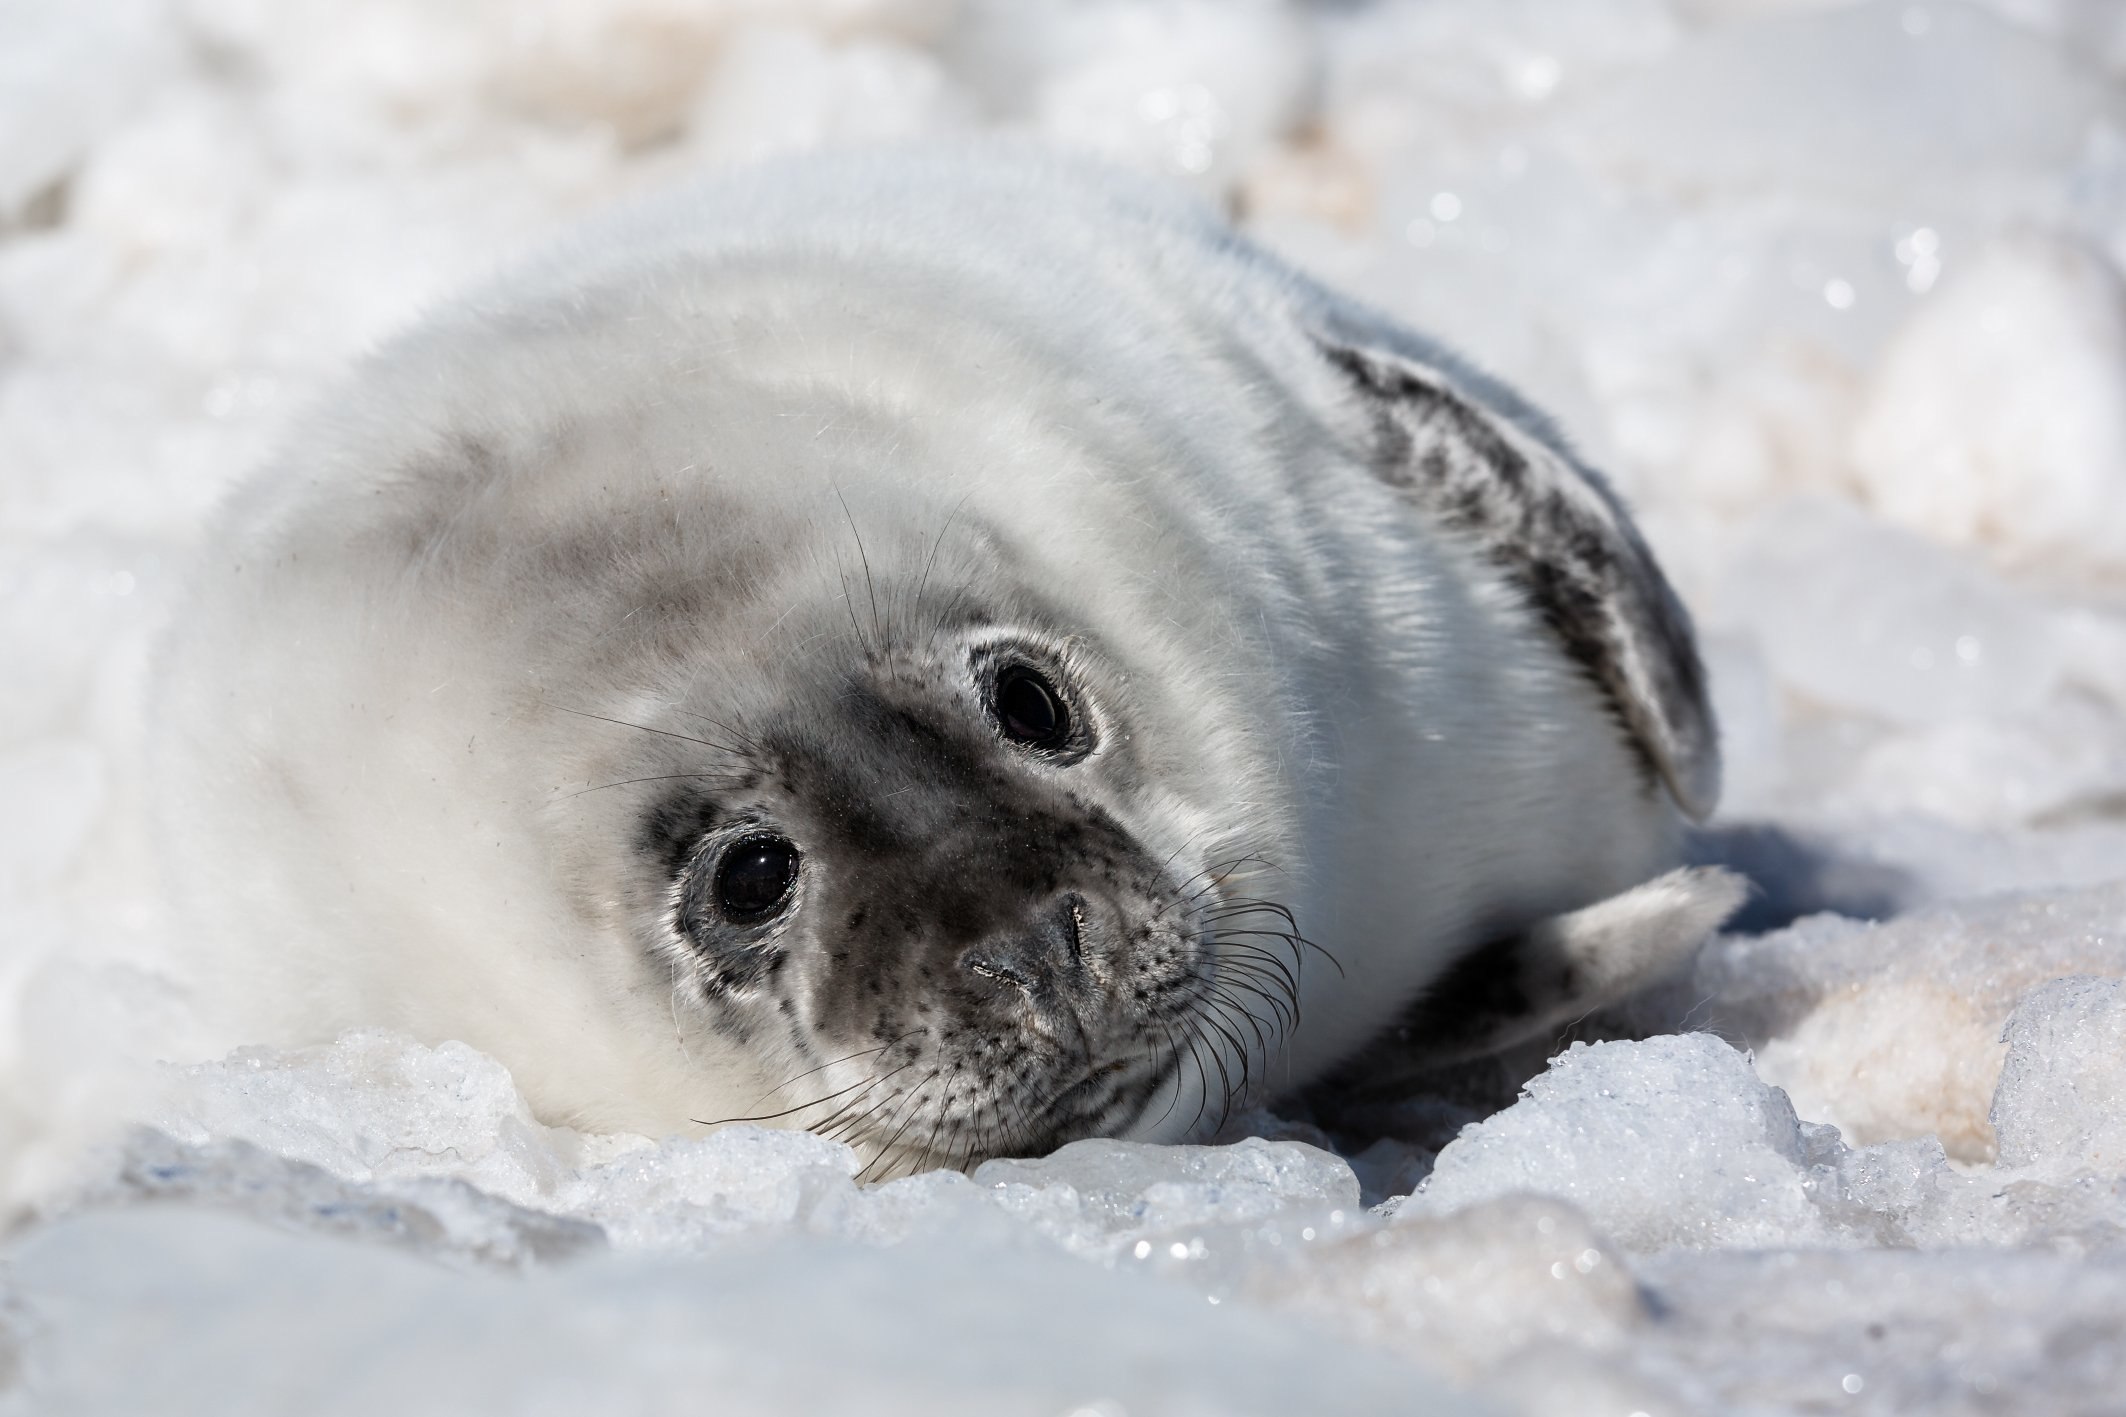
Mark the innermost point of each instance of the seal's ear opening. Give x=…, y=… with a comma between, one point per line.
x=1503, y=485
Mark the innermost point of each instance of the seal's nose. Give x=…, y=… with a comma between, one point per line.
x=1042, y=958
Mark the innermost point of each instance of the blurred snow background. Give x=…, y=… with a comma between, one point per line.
x=1834, y=291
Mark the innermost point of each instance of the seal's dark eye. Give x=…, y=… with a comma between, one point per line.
x=755, y=877
x=1029, y=709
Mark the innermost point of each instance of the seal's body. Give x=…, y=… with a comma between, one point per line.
x=958, y=651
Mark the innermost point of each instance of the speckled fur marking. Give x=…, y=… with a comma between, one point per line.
x=1556, y=532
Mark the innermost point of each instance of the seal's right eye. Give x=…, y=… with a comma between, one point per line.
x=754, y=878
x=1029, y=710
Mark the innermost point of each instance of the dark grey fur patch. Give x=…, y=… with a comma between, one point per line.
x=1561, y=537
x=674, y=826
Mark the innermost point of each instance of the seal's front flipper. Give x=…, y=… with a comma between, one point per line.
x=1561, y=969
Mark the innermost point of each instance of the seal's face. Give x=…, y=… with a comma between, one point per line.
x=906, y=886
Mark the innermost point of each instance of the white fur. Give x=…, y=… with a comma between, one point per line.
x=370, y=821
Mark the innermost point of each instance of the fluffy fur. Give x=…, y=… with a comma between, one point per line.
x=714, y=517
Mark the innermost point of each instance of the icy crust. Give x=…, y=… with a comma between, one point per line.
x=399, y=1120
x=1587, y=1241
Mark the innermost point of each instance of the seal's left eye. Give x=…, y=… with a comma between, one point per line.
x=755, y=877
x=1029, y=710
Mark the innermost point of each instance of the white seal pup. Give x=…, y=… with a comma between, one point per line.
x=956, y=650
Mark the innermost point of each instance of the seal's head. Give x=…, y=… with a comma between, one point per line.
x=897, y=881
x=906, y=840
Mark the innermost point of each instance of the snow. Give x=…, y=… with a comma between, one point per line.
x=1671, y=1141
x=2061, y=1104
x=2034, y=332
x=803, y=1327
x=1835, y=291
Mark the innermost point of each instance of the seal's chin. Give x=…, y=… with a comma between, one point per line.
x=1109, y=1100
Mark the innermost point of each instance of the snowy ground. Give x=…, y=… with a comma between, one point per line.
x=1833, y=289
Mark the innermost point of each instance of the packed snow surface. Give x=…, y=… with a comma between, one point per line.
x=1835, y=292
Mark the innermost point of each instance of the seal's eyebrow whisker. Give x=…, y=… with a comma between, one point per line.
x=643, y=728
x=930, y=564
x=738, y=735
x=849, y=604
x=722, y=777
x=878, y=634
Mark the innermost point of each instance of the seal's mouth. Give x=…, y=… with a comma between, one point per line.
x=1104, y=1100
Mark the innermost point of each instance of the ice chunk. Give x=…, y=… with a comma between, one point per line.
x=1211, y=1210
x=1670, y=1141
x=686, y=1193
x=2062, y=1097
x=1997, y=416
x=373, y=1105
x=433, y=1217
x=1117, y=1187
x=379, y=1109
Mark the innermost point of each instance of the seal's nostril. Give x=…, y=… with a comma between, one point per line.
x=989, y=967
x=1074, y=926
x=1044, y=953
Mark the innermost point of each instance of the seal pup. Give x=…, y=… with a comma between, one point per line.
x=956, y=650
